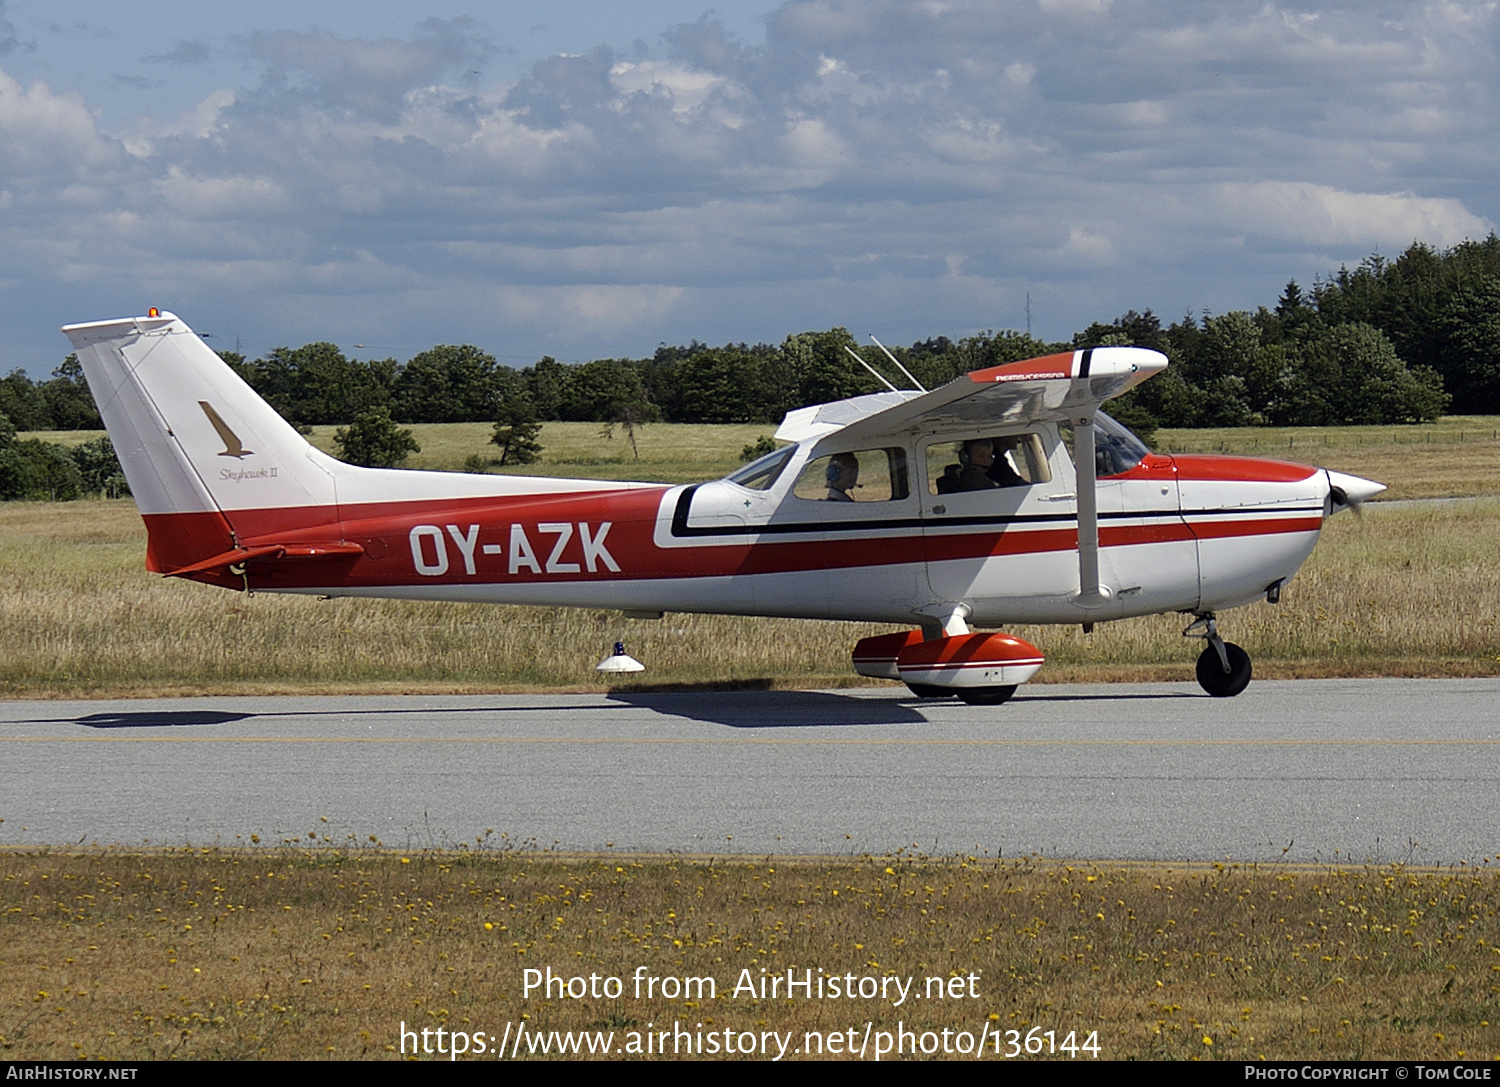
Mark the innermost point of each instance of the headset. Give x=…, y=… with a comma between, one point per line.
x=835, y=468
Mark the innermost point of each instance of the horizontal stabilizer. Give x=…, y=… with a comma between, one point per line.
x=275, y=552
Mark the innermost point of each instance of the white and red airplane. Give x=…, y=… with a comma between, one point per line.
x=933, y=510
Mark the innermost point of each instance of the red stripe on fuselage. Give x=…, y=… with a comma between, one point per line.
x=1219, y=530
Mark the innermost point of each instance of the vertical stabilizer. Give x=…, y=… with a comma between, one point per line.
x=201, y=449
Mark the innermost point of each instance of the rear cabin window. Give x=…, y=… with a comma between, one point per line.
x=987, y=463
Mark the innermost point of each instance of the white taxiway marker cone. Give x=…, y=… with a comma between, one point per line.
x=619, y=661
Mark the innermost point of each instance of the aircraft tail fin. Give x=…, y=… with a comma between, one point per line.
x=206, y=457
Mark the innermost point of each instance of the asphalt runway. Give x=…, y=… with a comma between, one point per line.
x=1333, y=770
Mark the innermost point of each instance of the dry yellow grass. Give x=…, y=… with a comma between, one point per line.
x=323, y=953
x=1399, y=592
x=669, y=452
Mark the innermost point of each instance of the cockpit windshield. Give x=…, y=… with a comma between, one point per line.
x=760, y=475
x=1116, y=449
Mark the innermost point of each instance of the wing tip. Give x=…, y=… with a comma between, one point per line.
x=1088, y=362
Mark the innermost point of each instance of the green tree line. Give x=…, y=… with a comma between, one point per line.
x=1390, y=341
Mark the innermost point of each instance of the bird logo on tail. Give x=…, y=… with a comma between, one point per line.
x=232, y=446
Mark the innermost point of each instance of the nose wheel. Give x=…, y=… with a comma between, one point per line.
x=1223, y=667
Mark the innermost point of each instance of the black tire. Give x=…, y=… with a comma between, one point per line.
x=929, y=690
x=1212, y=677
x=985, y=696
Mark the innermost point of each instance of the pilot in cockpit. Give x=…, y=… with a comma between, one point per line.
x=842, y=476
x=976, y=457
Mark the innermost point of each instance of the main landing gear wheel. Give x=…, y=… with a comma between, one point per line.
x=1212, y=676
x=929, y=690
x=987, y=696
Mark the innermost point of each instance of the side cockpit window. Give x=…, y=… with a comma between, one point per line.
x=863, y=475
x=987, y=462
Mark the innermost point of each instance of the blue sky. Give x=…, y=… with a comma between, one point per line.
x=591, y=179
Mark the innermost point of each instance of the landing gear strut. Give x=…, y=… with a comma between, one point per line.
x=1223, y=667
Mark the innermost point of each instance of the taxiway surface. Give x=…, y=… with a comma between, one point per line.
x=1385, y=770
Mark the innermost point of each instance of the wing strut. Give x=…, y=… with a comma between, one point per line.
x=1090, y=593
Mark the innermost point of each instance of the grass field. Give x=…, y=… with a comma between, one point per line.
x=1412, y=592
x=299, y=954
x=1399, y=592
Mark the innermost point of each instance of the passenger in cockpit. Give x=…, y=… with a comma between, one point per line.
x=977, y=457
x=1000, y=473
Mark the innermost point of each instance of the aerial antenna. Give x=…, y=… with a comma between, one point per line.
x=897, y=363
x=1028, y=313
x=870, y=368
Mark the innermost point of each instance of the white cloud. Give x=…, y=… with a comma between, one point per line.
x=1321, y=216
x=813, y=143
x=198, y=122
x=1087, y=249
x=687, y=87
x=597, y=307
x=43, y=133
x=1020, y=74
x=221, y=197
x=1075, y=7
x=877, y=163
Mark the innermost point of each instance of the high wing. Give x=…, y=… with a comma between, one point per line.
x=1069, y=386
x=1053, y=387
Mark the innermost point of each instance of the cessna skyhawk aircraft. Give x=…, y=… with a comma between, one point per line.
x=1005, y=496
